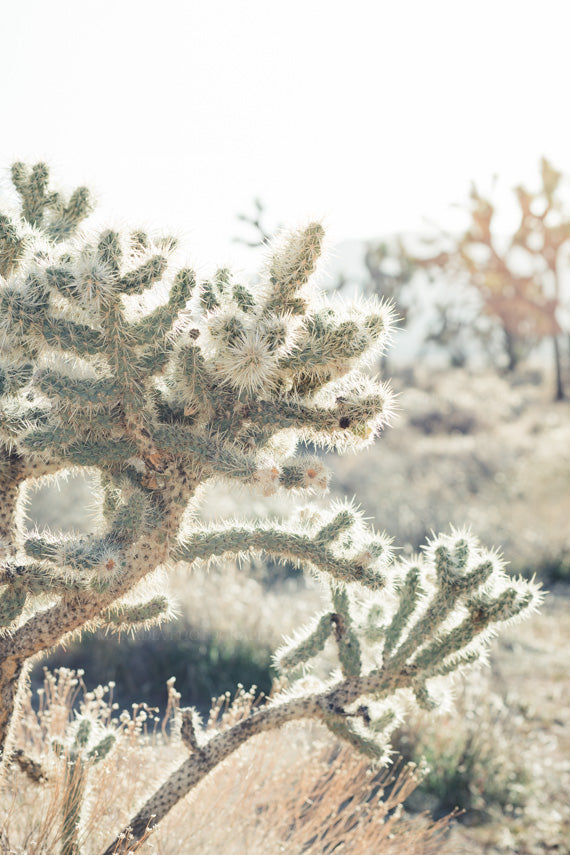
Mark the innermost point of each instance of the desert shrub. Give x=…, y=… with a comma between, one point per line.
x=205, y=666
x=470, y=756
x=552, y=568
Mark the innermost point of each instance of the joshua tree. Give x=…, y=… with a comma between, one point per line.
x=210, y=382
x=518, y=280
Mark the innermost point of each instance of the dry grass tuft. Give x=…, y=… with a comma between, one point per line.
x=298, y=792
x=295, y=791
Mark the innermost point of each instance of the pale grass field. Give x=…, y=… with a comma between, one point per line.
x=290, y=792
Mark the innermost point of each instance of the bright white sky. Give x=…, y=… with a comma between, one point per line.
x=373, y=115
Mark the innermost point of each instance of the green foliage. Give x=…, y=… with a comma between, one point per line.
x=206, y=665
x=469, y=758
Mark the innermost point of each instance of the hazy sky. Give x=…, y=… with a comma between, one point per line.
x=373, y=115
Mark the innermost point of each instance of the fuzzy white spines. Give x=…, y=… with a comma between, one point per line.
x=436, y=612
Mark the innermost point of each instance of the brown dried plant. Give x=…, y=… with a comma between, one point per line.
x=297, y=791
x=518, y=277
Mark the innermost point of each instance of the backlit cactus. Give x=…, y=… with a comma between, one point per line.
x=159, y=383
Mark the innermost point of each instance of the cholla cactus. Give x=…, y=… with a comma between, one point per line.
x=215, y=381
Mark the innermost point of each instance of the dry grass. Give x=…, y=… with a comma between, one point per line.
x=297, y=792
x=229, y=602
x=30, y=816
x=291, y=792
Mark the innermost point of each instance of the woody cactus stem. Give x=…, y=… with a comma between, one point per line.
x=158, y=384
x=408, y=648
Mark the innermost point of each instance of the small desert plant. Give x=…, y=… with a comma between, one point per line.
x=470, y=754
x=156, y=385
x=87, y=765
x=295, y=791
